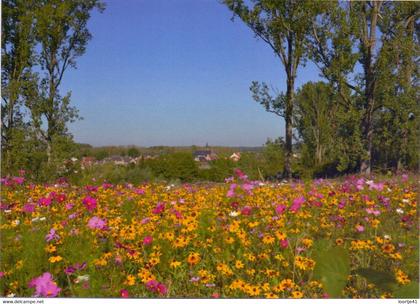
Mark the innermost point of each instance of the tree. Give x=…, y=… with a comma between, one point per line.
x=62, y=33
x=347, y=42
x=315, y=119
x=133, y=152
x=398, y=120
x=17, y=61
x=283, y=25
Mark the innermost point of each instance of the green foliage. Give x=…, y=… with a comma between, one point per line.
x=387, y=282
x=381, y=279
x=332, y=269
x=410, y=291
x=133, y=152
x=174, y=166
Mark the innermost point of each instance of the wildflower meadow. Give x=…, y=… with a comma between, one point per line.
x=349, y=238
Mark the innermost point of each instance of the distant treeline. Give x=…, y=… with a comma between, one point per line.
x=100, y=153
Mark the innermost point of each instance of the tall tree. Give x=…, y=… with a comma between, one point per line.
x=283, y=25
x=62, y=33
x=17, y=60
x=315, y=119
x=348, y=41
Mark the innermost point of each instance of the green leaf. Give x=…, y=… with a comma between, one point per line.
x=332, y=269
x=381, y=279
x=410, y=291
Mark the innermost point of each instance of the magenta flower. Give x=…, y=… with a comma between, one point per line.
x=18, y=180
x=248, y=187
x=90, y=203
x=28, y=208
x=160, y=207
x=246, y=210
x=231, y=192
x=360, y=228
x=280, y=209
x=52, y=235
x=44, y=201
x=240, y=174
x=44, y=286
x=297, y=203
x=124, y=293
x=96, y=223
x=157, y=287
x=145, y=220
x=284, y=243
x=147, y=240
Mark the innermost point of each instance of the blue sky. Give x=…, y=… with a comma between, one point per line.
x=173, y=72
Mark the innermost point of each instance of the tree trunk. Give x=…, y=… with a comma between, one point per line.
x=368, y=41
x=289, y=127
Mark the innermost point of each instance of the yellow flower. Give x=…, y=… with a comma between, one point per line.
x=253, y=290
x=50, y=248
x=130, y=280
x=401, y=277
x=55, y=259
x=239, y=264
x=193, y=258
x=297, y=294
x=175, y=264
x=268, y=240
x=270, y=295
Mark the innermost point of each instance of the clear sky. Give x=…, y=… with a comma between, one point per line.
x=173, y=72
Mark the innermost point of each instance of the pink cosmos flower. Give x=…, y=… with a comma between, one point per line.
x=280, y=209
x=124, y=293
x=160, y=207
x=377, y=187
x=52, y=235
x=231, y=192
x=28, y=208
x=90, y=203
x=145, y=220
x=147, y=240
x=284, y=243
x=246, y=210
x=157, y=287
x=248, y=187
x=215, y=295
x=240, y=174
x=360, y=228
x=44, y=201
x=18, y=180
x=297, y=203
x=96, y=223
x=44, y=286
x=139, y=191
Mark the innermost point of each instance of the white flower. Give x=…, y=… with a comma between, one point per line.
x=400, y=211
x=405, y=200
x=11, y=295
x=42, y=219
x=16, y=222
x=387, y=237
x=234, y=213
x=35, y=219
x=7, y=211
x=261, y=184
x=83, y=278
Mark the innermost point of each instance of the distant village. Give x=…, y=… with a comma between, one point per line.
x=202, y=157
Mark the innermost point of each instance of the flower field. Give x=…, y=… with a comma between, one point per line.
x=355, y=238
